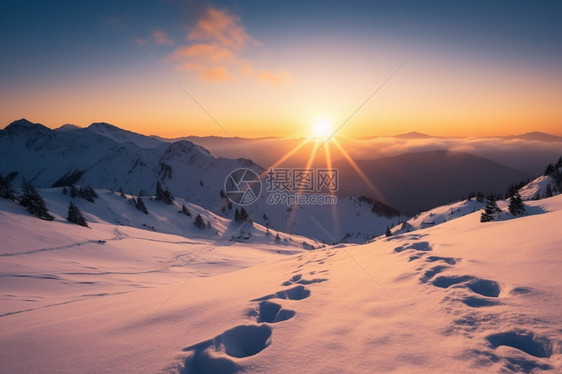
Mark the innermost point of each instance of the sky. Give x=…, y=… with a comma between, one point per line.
x=276, y=68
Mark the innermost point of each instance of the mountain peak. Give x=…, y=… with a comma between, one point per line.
x=183, y=147
x=23, y=125
x=123, y=136
x=67, y=127
x=413, y=135
x=537, y=136
x=103, y=125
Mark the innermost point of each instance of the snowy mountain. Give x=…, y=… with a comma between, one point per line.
x=93, y=156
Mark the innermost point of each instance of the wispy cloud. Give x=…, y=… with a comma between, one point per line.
x=275, y=78
x=217, y=43
x=219, y=26
x=161, y=38
x=158, y=37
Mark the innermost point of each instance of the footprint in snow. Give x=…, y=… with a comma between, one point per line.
x=296, y=293
x=483, y=287
x=269, y=312
x=212, y=356
x=298, y=279
x=418, y=246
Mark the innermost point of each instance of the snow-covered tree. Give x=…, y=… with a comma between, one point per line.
x=75, y=215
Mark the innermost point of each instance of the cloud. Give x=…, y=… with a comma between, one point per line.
x=161, y=38
x=142, y=42
x=211, y=73
x=209, y=53
x=217, y=42
x=158, y=37
x=276, y=79
x=218, y=25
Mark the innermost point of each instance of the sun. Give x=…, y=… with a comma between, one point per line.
x=322, y=128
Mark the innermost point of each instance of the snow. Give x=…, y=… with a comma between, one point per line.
x=439, y=215
x=461, y=296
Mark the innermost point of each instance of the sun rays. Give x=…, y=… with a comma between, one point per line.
x=322, y=137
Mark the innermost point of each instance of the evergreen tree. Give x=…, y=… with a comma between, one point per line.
x=163, y=195
x=139, y=204
x=236, y=215
x=222, y=194
x=73, y=191
x=88, y=193
x=559, y=163
x=121, y=193
x=490, y=211
x=406, y=226
x=388, y=232
x=277, y=237
x=549, y=170
x=6, y=190
x=480, y=197
x=75, y=215
x=199, y=223
x=244, y=215
x=548, y=192
x=33, y=202
x=516, y=206
x=185, y=211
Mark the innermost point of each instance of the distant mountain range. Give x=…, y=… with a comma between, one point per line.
x=536, y=135
x=422, y=180
x=105, y=156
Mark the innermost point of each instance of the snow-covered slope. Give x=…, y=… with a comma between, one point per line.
x=538, y=187
x=104, y=156
x=439, y=215
x=460, y=297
